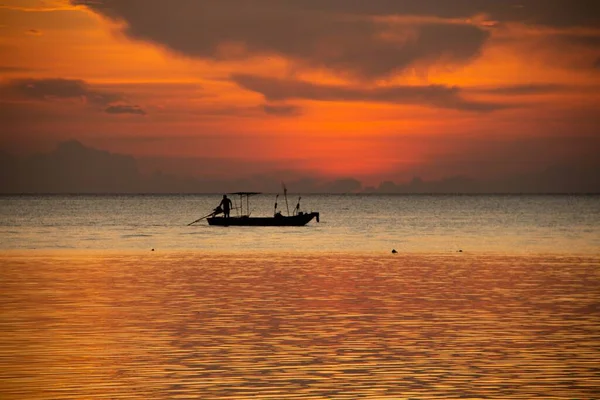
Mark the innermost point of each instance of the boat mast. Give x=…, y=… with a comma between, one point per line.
x=285, y=194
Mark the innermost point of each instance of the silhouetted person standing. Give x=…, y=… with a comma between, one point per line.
x=225, y=206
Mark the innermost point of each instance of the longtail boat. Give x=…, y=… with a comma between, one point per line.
x=243, y=218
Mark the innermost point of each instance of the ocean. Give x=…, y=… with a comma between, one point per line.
x=507, y=224
x=487, y=297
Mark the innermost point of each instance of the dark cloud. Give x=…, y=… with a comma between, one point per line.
x=58, y=89
x=558, y=13
x=455, y=184
x=52, y=89
x=525, y=89
x=585, y=39
x=75, y=168
x=431, y=95
x=21, y=113
x=554, y=179
x=281, y=110
x=345, y=185
x=124, y=109
x=10, y=68
x=484, y=157
x=353, y=37
x=543, y=12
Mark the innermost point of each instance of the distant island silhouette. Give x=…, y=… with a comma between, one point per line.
x=75, y=168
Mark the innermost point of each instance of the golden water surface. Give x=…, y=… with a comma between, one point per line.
x=289, y=326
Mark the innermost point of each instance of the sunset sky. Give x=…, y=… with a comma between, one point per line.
x=369, y=89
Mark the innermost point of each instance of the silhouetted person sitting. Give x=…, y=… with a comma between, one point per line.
x=225, y=205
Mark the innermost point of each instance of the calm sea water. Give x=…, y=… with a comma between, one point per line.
x=372, y=223
x=210, y=326
x=323, y=311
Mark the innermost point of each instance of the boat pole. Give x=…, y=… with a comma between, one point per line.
x=206, y=216
x=285, y=194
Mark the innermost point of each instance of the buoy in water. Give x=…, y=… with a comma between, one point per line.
x=394, y=251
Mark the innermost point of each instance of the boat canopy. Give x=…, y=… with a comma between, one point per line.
x=244, y=193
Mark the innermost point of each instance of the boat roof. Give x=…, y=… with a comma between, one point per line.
x=244, y=193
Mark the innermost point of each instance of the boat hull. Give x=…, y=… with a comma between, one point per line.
x=295, y=220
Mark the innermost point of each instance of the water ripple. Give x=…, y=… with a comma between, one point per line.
x=220, y=326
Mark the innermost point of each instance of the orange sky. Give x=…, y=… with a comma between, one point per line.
x=375, y=90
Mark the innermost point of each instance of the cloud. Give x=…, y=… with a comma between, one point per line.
x=58, y=89
x=281, y=110
x=543, y=12
x=124, y=109
x=10, y=68
x=485, y=156
x=75, y=168
x=554, y=179
x=585, y=39
x=524, y=89
x=367, y=41
x=455, y=184
x=344, y=185
x=572, y=48
x=559, y=13
x=439, y=96
x=38, y=8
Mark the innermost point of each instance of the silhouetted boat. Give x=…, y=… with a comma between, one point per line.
x=299, y=219
x=243, y=218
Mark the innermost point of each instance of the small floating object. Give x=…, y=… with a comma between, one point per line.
x=152, y=249
x=394, y=251
x=460, y=251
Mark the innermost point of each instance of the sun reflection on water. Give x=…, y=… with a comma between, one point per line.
x=279, y=325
